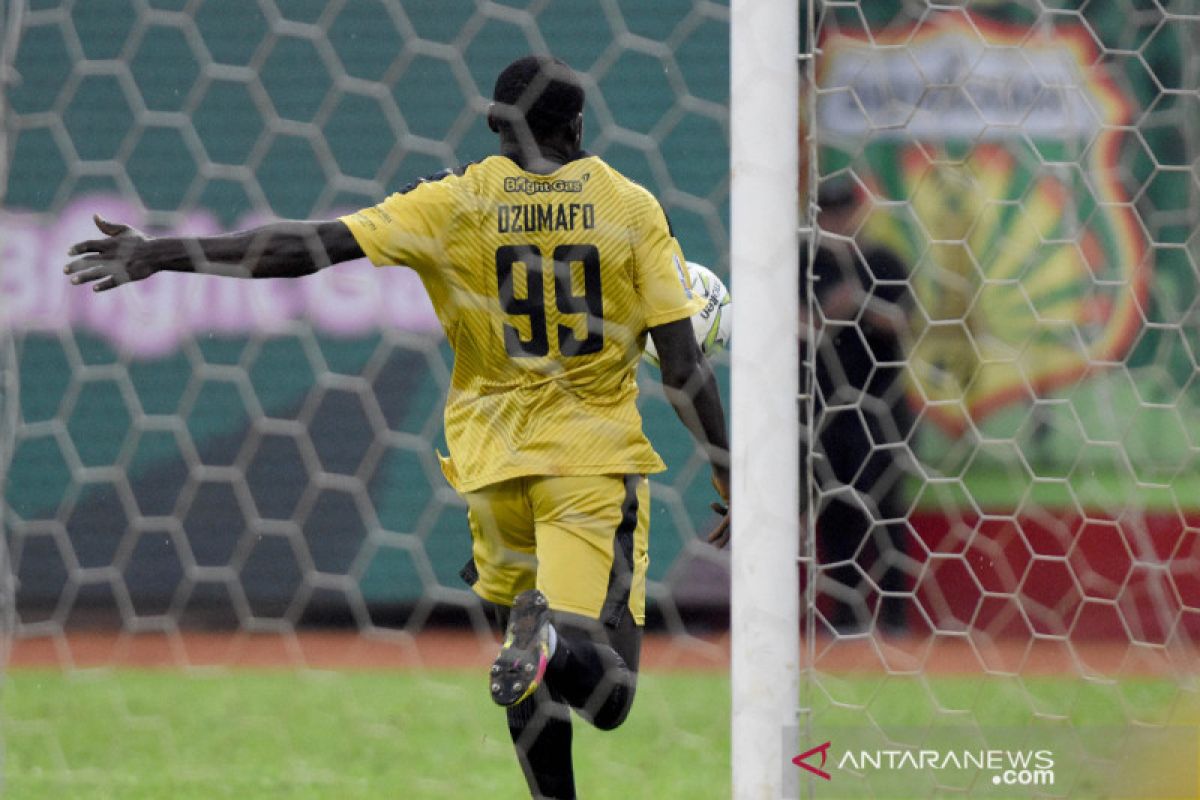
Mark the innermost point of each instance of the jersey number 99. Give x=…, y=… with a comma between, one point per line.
x=566, y=299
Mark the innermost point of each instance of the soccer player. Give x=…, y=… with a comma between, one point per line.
x=547, y=269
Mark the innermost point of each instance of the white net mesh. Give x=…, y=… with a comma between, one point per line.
x=200, y=456
x=1004, y=447
x=207, y=474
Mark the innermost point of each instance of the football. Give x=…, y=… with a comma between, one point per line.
x=712, y=324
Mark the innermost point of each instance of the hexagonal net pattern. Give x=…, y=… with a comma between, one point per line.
x=1003, y=346
x=257, y=461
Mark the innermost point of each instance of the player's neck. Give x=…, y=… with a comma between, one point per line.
x=541, y=158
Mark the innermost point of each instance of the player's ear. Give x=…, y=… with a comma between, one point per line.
x=577, y=130
x=491, y=118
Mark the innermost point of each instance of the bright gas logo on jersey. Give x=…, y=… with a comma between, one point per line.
x=523, y=185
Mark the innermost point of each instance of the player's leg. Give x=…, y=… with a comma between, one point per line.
x=503, y=566
x=592, y=537
x=890, y=535
x=503, y=551
x=880, y=485
x=894, y=507
x=587, y=657
x=595, y=666
x=540, y=729
x=842, y=525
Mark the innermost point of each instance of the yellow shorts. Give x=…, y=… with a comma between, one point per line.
x=581, y=540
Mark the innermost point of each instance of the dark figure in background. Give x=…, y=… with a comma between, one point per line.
x=861, y=419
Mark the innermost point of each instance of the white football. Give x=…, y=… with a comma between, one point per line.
x=713, y=324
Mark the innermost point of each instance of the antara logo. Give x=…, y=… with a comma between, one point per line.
x=823, y=749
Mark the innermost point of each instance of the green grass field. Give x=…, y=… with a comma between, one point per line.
x=137, y=735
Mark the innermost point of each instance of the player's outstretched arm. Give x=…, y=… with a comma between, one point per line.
x=691, y=387
x=277, y=250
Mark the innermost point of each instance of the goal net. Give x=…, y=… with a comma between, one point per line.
x=1001, y=542
x=204, y=472
x=998, y=542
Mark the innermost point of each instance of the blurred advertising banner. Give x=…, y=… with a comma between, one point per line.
x=1033, y=172
x=150, y=319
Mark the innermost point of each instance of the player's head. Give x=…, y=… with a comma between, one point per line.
x=539, y=95
x=838, y=202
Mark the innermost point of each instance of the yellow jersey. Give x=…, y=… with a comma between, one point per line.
x=545, y=286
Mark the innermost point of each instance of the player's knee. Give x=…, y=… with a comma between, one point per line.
x=612, y=721
x=613, y=712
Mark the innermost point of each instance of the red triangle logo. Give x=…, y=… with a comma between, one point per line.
x=799, y=761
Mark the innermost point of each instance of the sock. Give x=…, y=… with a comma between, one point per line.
x=593, y=679
x=540, y=728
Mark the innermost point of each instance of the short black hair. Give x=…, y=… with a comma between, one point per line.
x=837, y=193
x=543, y=90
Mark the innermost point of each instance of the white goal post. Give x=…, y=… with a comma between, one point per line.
x=765, y=426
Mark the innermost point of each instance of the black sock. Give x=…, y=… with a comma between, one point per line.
x=592, y=676
x=540, y=727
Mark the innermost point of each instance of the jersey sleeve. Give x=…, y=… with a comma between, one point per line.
x=406, y=228
x=661, y=273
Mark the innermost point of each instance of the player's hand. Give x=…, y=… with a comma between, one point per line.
x=719, y=536
x=110, y=261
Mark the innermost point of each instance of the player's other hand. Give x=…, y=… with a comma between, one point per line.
x=111, y=261
x=719, y=537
